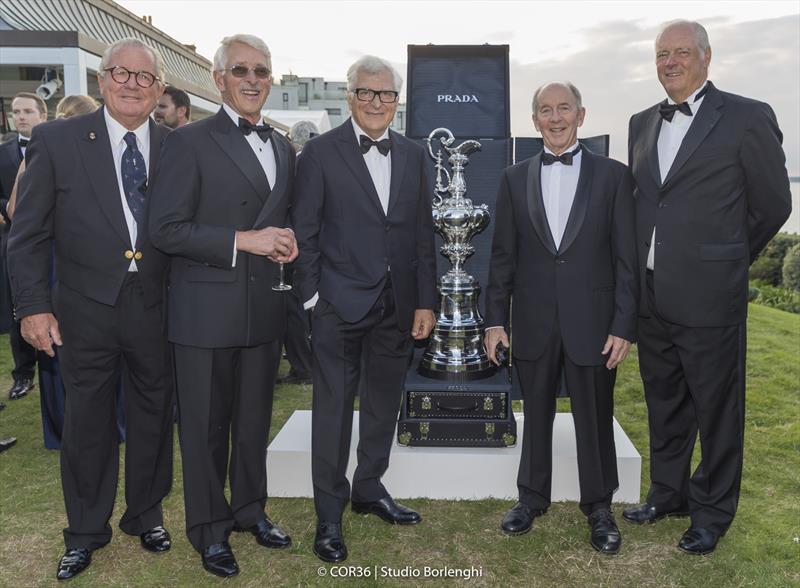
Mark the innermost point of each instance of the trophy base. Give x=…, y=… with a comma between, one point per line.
x=455, y=372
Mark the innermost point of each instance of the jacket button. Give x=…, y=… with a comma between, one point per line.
x=252, y=278
x=128, y=254
x=137, y=256
x=244, y=202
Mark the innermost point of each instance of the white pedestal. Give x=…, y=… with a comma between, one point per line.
x=467, y=473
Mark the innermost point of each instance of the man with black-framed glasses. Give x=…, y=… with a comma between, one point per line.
x=362, y=214
x=85, y=195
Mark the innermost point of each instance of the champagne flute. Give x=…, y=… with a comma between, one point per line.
x=281, y=286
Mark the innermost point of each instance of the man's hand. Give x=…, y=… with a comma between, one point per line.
x=490, y=341
x=41, y=331
x=423, y=323
x=275, y=243
x=619, y=349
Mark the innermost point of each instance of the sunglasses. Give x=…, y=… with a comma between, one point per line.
x=240, y=71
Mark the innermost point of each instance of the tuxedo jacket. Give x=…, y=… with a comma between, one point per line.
x=10, y=159
x=211, y=185
x=69, y=196
x=347, y=241
x=725, y=196
x=588, y=287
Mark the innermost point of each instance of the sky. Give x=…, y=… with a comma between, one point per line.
x=605, y=48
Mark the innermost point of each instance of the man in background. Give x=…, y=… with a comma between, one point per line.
x=174, y=108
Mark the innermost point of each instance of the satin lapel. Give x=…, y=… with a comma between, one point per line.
x=399, y=156
x=706, y=118
x=581, y=201
x=233, y=143
x=281, y=150
x=352, y=156
x=95, y=150
x=536, y=204
x=650, y=143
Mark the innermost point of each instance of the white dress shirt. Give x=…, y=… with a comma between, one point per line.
x=265, y=154
x=669, y=142
x=116, y=136
x=559, y=183
x=22, y=149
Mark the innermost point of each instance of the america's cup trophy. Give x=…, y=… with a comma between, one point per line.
x=455, y=350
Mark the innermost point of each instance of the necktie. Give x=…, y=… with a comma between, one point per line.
x=565, y=158
x=667, y=111
x=264, y=131
x=134, y=178
x=384, y=145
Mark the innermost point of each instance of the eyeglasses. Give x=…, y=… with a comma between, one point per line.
x=367, y=95
x=241, y=71
x=121, y=75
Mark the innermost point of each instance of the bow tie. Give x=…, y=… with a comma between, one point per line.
x=264, y=131
x=384, y=145
x=667, y=111
x=565, y=158
x=24, y=142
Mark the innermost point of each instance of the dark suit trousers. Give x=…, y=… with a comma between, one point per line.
x=98, y=339
x=591, y=390
x=298, y=350
x=224, y=403
x=694, y=380
x=23, y=353
x=341, y=350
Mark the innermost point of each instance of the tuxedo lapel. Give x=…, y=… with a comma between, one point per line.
x=95, y=150
x=233, y=143
x=282, y=154
x=536, y=204
x=348, y=148
x=580, y=203
x=399, y=156
x=705, y=119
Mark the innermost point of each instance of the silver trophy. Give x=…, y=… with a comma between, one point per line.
x=455, y=350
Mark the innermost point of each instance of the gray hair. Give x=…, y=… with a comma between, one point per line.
x=221, y=56
x=130, y=42
x=700, y=33
x=569, y=85
x=301, y=132
x=369, y=64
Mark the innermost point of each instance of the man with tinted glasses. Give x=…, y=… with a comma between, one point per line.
x=218, y=207
x=85, y=195
x=366, y=267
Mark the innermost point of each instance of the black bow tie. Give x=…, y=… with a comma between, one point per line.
x=384, y=145
x=264, y=131
x=24, y=142
x=667, y=111
x=565, y=158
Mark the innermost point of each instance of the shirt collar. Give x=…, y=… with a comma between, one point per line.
x=359, y=132
x=116, y=132
x=694, y=105
x=21, y=138
x=571, y=148
x=235, y=116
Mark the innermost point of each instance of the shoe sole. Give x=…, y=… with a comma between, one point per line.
x=218, y=575
x=601, y=552
x=669, y=515
x=515, y=533
x=389, y=521
x=692, y=552
x=328, y=560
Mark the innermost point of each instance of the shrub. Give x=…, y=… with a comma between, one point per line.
x=768, y=266
x=791, y=269
x=776, y=297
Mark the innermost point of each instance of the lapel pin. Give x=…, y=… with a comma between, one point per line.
x=92, y=136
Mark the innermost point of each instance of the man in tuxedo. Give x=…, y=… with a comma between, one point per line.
x=27, y=111
x=222, y=196
x=711, y=191
x=84, y=195
x=563, y=250
x=363, y=220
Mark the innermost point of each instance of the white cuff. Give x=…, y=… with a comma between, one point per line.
x=312, y=302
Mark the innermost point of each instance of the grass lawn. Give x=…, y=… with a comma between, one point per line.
x=762, y=547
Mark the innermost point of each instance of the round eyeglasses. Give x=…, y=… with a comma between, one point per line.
x=121, y=75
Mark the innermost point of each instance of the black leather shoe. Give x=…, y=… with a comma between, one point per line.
x=519, y=519
x=7, y=443
x=73, y=562
x=328, y=542
x=644, y=514
x=218, y=559
x=388, y=510
x=20, y=388
x=268, y=534
x=605, y=536
x=2, y=406
x=295, y=378
x=156, y=540
x=698, y=541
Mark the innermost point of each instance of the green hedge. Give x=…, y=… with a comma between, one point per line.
x=768, y=266
x=791, y=269
x=774, y=296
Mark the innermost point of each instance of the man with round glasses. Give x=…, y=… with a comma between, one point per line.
x=219, y=206
x=85, y=194
x=362, y=214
